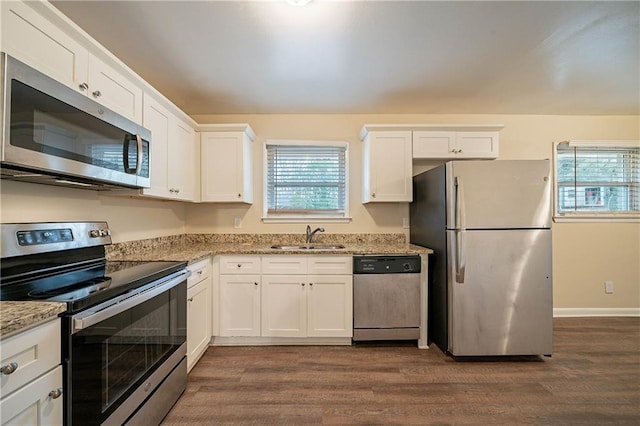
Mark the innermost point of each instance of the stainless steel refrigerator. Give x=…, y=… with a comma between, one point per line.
x=490, y=283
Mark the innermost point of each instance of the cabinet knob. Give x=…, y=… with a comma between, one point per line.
x=255, y=283
x=199, y=272
x=190, y=299
x=310, y=284
x=56, y=393
x=96, y=94
x=239, y=195
x=302, y=284
x=177, y=191
x=83, y=86
x=9, y=368
x=239, y=265
x=373, y=195
x=460, y=151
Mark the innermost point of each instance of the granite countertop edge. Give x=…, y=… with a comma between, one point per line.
x=196, y=254
x=19, y=316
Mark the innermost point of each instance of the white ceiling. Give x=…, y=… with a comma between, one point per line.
x=430, y=57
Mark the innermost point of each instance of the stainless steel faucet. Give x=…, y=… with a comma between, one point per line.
x=310, y=233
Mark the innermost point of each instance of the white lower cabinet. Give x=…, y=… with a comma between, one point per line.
x=240, y=305
x=198, y=311
x=31, y=378
x=294, y=296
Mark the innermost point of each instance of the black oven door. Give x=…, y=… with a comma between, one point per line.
x=114, y=352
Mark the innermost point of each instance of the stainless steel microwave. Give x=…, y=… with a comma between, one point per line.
x=52, y=134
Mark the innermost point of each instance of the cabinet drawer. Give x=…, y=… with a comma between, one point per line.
x=330, y=265
x=199, y=271
x=33, y=404
x=35, y=351
x=278, y=264
x=240, y=264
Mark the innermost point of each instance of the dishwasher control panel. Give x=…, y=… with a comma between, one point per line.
x=409, y=264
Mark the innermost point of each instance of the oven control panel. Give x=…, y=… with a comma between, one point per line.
x=18, y=239
x=44, y=236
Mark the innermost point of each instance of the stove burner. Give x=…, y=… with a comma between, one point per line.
x=88, y=287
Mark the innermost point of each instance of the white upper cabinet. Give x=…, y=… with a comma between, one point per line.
x=386, y=166
x=174, y=166
x=226, y=164
x=433, y=144
x=33, y=39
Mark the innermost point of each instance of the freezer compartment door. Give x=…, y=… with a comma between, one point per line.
x=503, y=303
x=499, y=194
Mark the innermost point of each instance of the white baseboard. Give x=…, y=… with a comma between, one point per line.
x=596, y=312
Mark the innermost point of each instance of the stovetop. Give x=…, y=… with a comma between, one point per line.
x=88, y=285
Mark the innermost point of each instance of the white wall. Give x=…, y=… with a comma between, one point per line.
x=129, y=218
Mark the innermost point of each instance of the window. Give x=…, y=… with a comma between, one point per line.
x=598, y=179
x=306, y=180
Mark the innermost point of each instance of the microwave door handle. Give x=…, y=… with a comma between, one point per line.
x=139, y=158
x=125, y=154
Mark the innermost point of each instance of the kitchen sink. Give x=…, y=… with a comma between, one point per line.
x=310, y=247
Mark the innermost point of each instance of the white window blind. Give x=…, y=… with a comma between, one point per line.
x=304, y=179
x=598, y=179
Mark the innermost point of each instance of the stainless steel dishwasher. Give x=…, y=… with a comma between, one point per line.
x=386, y=297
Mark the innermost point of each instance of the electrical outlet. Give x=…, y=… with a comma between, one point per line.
x=237, y=222
x=405, y=222
x=608, y=287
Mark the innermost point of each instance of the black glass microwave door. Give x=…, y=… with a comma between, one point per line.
x=109, y=360
x=44, y=124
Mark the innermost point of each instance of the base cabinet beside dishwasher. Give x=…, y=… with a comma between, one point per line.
x=273, y=298
x=31, y=376
x=198, y=311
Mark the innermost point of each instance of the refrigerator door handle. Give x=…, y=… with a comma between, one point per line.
x=460, y=229
x=461, y=220
x=460, y=256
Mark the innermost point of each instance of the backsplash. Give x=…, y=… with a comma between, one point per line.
x=187, y=241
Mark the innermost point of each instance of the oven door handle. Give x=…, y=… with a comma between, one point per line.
x=102, y=312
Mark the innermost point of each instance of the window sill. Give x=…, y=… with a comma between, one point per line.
x=596, y=219
x=307, y=219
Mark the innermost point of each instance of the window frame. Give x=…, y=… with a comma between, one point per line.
x=589, y=216
x=267, y=217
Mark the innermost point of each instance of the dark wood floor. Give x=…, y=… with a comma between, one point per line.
x=593, y=378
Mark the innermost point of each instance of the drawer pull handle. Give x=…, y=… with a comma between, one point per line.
x=9, y=368
x=56, y=393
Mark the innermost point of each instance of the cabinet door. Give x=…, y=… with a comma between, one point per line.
x=477, y=145
x=34, y=404
x=182, y=161
x=114, y=91
x=157, y=119
x=226, y=167
x=330, y=304
x=284, y=305
x=198, y=321
x=32, y=39
x=387, y=167
x=240, y=305
x=427, y=144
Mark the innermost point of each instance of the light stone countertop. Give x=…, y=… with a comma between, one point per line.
x=17, y=316
x=194, y=253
